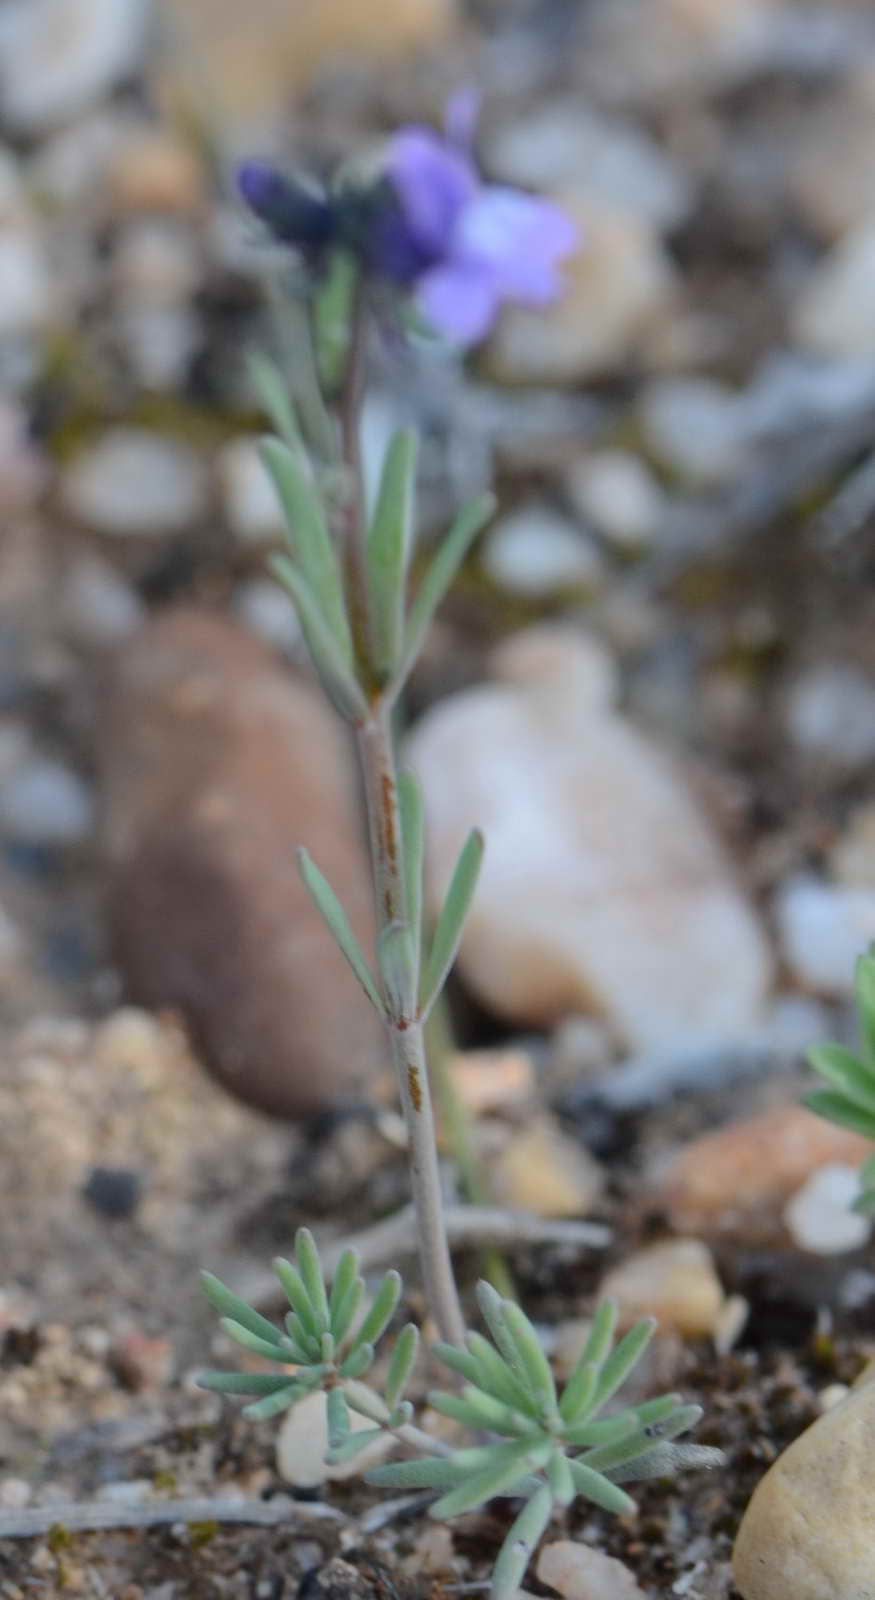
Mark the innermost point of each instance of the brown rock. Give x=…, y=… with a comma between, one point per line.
x=252, y=58
x=809, y=1531
x=216, y=766
x=675, y=1281
x=738, y=1179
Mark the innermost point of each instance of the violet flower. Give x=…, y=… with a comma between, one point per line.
x=462, y=246
x=429, y=223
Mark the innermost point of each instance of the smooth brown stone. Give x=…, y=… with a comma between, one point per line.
x=216, y=766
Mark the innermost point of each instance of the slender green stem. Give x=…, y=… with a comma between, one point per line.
x=459, y=1127
x=377, y=754
x=379, y=769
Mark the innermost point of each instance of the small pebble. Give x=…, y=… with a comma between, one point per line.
x=619, y=495
x=113, y=1191
x=268, y=611
x=134, y=482
x=60, y=55
x=830, y=717
x=821, y=1216
x=543, y=1171
x=15, y=1493
x=44, y=803
x=249, y=496
x=98, y=608
x=579, y=1572
x=143, y=1363
x=536, y=552
x=822, y=929
x=126, y=1491
x=675, y=1281
x=695, y=426
x=302, y=1441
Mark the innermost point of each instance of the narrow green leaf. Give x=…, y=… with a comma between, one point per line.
x=665, y=1459
x=600, y=1490
x=827, y=1103
x=655, y=1410
x=492, y=1307
x=626, y=1355
x=305, y=1345
x=578, y=1392
x=310, y=538
x=601, y=1335
x=432, y=1472
x=274, y=1349
x=273, y=1404
x=864, y=983
x=344, y=1315
x=401, y=1365
x=519, y=1545
x=479, y=1410
x=298, y=1297
x=328, y=655
x=389, y=549
x=382, y=1310
x=337, y=1413
x=854, y=1080
x=509, y=1463
x=606, y=1456
x=532, y=1357
x=413, y=847
x=229, y=1304
x=867, y=1173
x=560, y=1479
x=242, y=1382
x=273, y=393
x=310, y=1268
x=358, y=1361
x=605, y=1431
x=448, y=933
x=344, y=1280
x=396, y=955
x=353, y=1444
x=450, y=554
x=365, y=1400
x=327, y=903
x=487, y=1370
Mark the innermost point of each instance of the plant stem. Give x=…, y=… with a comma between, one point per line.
x=377, y=754
x=379, y=770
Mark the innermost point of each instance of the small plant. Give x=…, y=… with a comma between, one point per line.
x=417, y=237
x=550, y=1447
x=850, y=1099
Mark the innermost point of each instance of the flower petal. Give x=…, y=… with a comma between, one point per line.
x=521, y=238
x=460, y=300
x=434, y=183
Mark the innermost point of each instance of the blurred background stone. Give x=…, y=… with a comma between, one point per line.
x=216, y=768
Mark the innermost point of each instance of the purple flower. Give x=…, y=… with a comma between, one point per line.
x=294, y=213
x=463, y=246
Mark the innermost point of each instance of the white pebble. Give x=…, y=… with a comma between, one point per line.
x=267, y=610
x=579, y=1572
x=302, y=1442
x=57, y=56
x=251, y=503
x=536, y=552
x=619, y=495
x=97, y=607
x=134, y=482
x=822, y=929
x=696, y=426
x=820, y=1215
x=45, y=803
